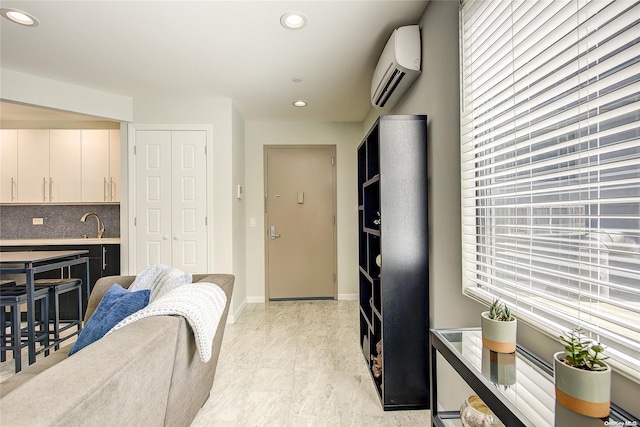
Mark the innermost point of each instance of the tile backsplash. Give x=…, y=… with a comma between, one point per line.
x=58, y=221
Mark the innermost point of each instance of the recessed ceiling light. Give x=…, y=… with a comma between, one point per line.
x=300, y=103
x=293, y=20
x=19, y=17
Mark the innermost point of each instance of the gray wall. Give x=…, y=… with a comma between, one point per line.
x=59, y=222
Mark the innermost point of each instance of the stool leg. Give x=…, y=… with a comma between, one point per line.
x=79, y=309
x=16, y=339
x=3, y=327
x=56, y=316
x=44, y=310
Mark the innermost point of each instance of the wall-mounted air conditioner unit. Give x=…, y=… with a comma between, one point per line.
x=398, y=67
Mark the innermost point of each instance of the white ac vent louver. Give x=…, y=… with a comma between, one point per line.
x=398, y=67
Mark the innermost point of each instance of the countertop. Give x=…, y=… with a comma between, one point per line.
x=60, y=242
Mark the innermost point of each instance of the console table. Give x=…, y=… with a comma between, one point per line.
x=518, y=387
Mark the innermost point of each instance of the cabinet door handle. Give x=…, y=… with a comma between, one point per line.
x=104, y=188
x=112, y=189
x=104, y=258
x=50, y=189
x=13, y=185
x=44, y=189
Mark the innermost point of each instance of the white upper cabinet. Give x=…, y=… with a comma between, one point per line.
x=100, y=165
x=95, y=165
x=65, y=178
x=114, y=164
x=8, y=165
x=33, y=185
x=59, y=165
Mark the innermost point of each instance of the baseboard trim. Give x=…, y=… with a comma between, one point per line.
x=256, y=300
x=347, y=297
x=232, y=317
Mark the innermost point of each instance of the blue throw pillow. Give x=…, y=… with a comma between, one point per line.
x=116, y=304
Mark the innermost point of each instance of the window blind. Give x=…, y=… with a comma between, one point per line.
x=550, y=155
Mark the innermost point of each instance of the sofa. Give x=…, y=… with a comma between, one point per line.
x=148, y=373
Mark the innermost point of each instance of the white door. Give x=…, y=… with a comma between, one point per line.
x=33, y=165
x=8, y=165
x=189, y=200
x=171, y=196
x=65, y=165
x=95, y=165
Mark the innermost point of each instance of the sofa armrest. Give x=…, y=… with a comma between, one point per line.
x=121, y=379
x=190, y=375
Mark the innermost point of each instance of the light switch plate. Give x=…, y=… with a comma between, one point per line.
x=240, y=191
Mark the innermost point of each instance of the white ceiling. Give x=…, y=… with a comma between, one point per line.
x=234, y=49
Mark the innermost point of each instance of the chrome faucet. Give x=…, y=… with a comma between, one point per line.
x=100, y=224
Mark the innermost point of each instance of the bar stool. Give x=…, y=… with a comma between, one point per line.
x=57, y=287
x=12, y=297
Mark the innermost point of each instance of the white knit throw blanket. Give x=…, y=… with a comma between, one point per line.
x=200, y=303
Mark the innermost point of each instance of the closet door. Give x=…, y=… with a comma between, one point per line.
x=189, y=200
x=153, y=198
x=171, y=196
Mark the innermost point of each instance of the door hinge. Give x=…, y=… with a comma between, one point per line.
x=134, y=150
x=333, y=278
x=135, y=221
x=333, y=161
x=334, y=220
x=206, y=222
x=205, y=150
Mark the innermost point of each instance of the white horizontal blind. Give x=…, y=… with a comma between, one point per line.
x=550, y=147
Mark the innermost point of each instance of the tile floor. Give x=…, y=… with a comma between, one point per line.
x=293, y=363
x=297, y=363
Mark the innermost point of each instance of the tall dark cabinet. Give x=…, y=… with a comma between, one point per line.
x=394, y=259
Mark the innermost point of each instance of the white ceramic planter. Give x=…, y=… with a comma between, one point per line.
x=585, y=392
x=497, y=335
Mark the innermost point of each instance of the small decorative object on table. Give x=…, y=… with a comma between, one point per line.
x=475, y=413
x=582, y=379
x=499, y=328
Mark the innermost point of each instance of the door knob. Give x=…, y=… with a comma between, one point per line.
x=273, y=233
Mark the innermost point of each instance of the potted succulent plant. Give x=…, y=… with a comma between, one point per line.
x=499, y=328
x=582, y=379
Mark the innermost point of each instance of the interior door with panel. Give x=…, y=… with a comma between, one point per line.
x=189, y=200
x=153, y=198
x=171, y=199
x=300, y=219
